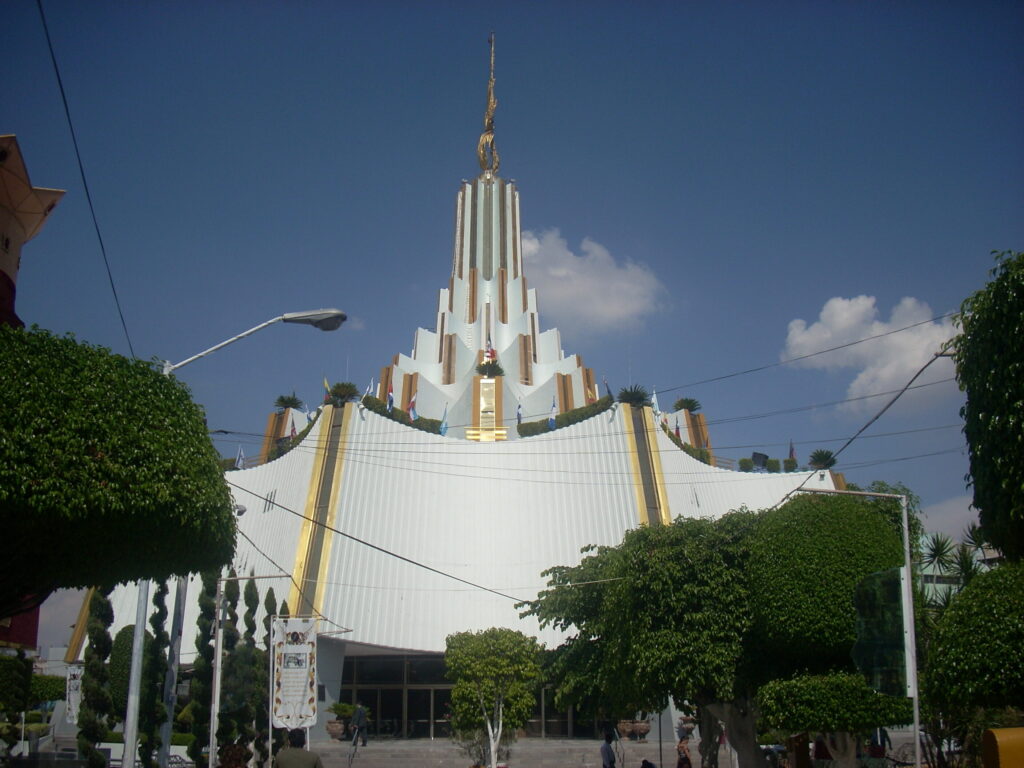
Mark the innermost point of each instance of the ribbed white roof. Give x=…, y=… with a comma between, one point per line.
x=494, y=514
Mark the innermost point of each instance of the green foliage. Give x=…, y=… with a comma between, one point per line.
x=495, y=673
x=112, y=459
x=789, y=465
x=687, y=404
x=342, y=709
x=284, y=402
x=46, y=688
x=977, y=655
x=202, y=676
x=490, y=369
x=576, y=415
x=635, y=395
x=803, y=620
x=835, y=702
x=990, y=370
x=822, y=459
x=423, y=424
x=152, y=712
x=772, y=465
x=343, y=392
x=120, y=668
x=892, y=510
x=746, y=464
x=96, y=705
x=15, y=685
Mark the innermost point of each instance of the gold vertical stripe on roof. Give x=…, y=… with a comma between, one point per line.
x=81, y=624
x=659, y=475
x=348, y=416
x=625, y=413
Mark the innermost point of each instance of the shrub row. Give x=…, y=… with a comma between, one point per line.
x=371, y=403
x=576, y=415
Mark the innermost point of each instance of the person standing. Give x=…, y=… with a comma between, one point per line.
x=294, y=756
x=607, y=753
x=359, y=721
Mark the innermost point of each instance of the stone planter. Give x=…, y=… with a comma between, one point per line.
x=335, y=729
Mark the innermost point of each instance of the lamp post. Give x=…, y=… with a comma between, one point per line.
x=325, y=320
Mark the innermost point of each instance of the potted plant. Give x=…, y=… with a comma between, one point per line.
x=342, y=714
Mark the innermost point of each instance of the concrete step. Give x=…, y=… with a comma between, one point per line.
x=525, y=753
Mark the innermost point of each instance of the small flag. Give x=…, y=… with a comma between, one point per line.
x=327, y=390
x=293, y=428
x=391, y=397
x=519, y=413
x=369, y=388
x=677, y=428
x=607, y=388
x=412, y=407
x=240, y=459
x=591, y=397
x=551, y=417
x=443, y=429
x=654, y=401
x=489, y=353
x=792, y=451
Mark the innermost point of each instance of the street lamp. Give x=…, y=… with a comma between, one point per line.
x=325, y=320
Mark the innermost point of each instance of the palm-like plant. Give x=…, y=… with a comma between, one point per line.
x=938, y=551
x=822, y=459
x=634, y=395
x=344, y=391
x=285, y=402
x=490, y=369
x=964, y=564
x=687, y=404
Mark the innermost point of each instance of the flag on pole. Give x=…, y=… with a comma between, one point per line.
x=369, y=388
x=677, y=428
x=327, y=390
x=607, y=388
x=792, y=451
x=489, y=353
x=293, y=428
x=412, y=407
x=551, y=417
x=240, y=459
x=654, y=401
x=443, y=429
x=519, y=413
x=391, y=397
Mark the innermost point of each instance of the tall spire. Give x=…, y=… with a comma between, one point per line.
x=486, y=152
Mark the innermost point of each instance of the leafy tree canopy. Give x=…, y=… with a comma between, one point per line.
x=490, y=369
x=976, y=657
x=107, y=473
x=840, y=701
x=495, y=672
x=806, y=559
x=989, y=362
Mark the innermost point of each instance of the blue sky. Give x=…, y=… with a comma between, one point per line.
x=699, y=182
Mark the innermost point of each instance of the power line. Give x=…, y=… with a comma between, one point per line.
x=85, y=183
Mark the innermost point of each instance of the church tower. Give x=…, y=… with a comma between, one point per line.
x=487, y=314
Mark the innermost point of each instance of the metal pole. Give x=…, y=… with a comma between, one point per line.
x=215, y=698
x=171, y=680
x=909, y=632
x=131, y=720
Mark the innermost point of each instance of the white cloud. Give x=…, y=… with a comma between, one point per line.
x=883, y=364
x=950, y=517
x=590, y=292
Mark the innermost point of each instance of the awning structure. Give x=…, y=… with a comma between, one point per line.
x=30, y=206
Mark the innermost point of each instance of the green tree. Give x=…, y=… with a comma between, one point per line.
x=46, y=688
x=686, y=404
x=152, y=712
x=122, y=475
x=284, y=402
x=96, y=706
x=990, y=370
x=202, y=676
x=822, y=459
x=635, y=395
x=840, y=706
x=495, y=672
x=15, y=694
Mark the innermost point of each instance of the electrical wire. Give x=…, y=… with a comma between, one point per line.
x=85, y=183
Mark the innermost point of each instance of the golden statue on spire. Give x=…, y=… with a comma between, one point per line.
x=486, y=152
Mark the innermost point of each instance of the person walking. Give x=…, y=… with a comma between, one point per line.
x=294, y=756
x=359, y=721
x=607, y=753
